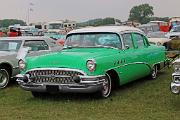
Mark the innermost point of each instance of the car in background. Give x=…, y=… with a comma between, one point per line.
x=31, y=32
x=149, y=27
x=94, y=60
x=9, y=47
x=158, y=38
x=54, y=35
x=174, y=33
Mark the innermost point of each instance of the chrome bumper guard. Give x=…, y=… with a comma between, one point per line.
x=175, y=84
x=87, y=84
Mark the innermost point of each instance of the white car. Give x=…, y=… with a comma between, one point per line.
x=174, y=32
x=9, y=47
x=158, y=38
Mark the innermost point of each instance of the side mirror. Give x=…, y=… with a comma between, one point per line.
x=127, y=46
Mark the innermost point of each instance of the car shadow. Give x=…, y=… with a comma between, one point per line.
x=93, y=96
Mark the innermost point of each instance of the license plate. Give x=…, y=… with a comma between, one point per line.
x=52, y=88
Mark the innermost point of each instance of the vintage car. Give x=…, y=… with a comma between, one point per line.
x=175, y=84
x=158, y=38
x=174, y=32
x=9, y=47
x=93, y=60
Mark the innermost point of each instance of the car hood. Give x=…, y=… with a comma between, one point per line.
x=159, y=40
x=74, y=58
x=7, y=53
x=173, y=33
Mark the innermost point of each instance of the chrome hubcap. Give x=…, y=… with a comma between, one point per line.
x=106, y=90
x=154, y=72
x=105, y=87
x=3, y=77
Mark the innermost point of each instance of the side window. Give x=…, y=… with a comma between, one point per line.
x=127, y=39
x=139, y=40
x=36, y=45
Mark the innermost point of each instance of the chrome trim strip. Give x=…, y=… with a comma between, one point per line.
x=16, y=67
x=64, y=69
x=52, y=76
x=131, y=64
x=136, y=63
x=91, y=76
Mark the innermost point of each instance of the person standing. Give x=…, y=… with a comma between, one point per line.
x=12, y=33
x=19, y=32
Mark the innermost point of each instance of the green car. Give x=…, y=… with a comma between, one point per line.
x=94, y=59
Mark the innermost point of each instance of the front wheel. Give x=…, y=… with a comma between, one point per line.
x=4, y=78
x=106, y=89
x=154, y=72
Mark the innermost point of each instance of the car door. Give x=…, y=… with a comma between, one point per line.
x=133, y=66
x=142, y=51
x=127, y=57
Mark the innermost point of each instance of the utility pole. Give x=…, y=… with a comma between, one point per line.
x=28, y=12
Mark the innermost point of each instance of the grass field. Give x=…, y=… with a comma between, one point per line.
x=140, y=100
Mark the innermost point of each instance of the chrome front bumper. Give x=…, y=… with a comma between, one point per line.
x=87, y=84
x=175, y=84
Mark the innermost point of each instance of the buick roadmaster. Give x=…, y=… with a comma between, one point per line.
x=93, y=60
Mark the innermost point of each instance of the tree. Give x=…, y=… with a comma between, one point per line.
x=141, y=13
x=166, y=19
x=98, y=22
x=8, y=22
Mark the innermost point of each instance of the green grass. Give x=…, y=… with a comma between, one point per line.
x=140, y=100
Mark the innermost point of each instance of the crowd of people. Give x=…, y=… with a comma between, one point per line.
x=11, y=33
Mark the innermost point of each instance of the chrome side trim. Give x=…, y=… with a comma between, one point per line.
x=16, y=67
x=91, y=76
x=131, y=64
x=137, y=63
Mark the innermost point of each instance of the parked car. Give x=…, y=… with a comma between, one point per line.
x=158, y=38
x=54, y=35
x=175, y=84
x=149, y=27
x=174, y=32
x=94, y=59
x=9, y=47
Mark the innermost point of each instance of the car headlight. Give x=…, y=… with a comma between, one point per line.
x=21, y=64
x=91, y=65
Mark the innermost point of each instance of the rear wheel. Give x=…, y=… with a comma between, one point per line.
x=154, y=72
x=106, y=89
x=4, y=78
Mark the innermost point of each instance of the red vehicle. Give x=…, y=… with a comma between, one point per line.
x=12, y=33
x=1, y=33
x=163, y=26
x=60, y=42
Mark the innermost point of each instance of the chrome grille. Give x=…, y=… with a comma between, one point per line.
x=53, y=76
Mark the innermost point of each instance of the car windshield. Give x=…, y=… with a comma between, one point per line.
x=10, y=45
x=94, y=40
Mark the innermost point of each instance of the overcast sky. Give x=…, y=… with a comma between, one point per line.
x=81, y=10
